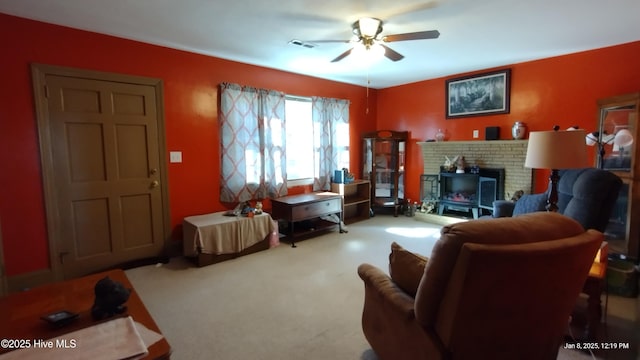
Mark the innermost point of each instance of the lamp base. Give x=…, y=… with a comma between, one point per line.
x=552, y=199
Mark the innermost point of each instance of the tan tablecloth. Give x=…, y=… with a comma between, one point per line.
x=121, y=338
x=218, y=234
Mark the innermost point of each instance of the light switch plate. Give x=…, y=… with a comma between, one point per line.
x=475, y=134
x=175, y=156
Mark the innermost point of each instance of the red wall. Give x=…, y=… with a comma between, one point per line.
x=190, y=90
x=560, y=90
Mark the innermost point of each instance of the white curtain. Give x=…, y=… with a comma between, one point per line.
x=327, y=115
x=253, y=136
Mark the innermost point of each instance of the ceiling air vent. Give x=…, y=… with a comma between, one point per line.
x=302, y=43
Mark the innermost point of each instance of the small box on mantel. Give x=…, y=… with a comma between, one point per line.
x=492, y=133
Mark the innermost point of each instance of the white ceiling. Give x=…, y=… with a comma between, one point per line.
x=475, y=34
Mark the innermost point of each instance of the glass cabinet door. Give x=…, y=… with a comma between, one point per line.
x=386, y=165
x=616, y=137
x=383, y=165
x=618, y=227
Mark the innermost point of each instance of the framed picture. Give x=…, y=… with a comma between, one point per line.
x=480, y=94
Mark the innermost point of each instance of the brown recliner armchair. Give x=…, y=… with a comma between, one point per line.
x=492, y=289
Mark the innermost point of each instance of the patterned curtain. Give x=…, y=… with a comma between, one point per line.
x=327, y=115
x=253, y=143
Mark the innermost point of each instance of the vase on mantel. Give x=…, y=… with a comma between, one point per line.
x=519, y=130
x=440, y=135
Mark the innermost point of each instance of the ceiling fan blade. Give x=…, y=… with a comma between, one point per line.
x=392, y=54
x=420, y=35
x=342, y=56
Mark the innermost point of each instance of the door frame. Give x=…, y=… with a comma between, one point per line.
x=39, y=73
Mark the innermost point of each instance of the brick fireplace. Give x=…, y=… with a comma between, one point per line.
x=507, y=154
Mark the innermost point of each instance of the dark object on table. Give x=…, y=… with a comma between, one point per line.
x=60, y=318
x=110, y=297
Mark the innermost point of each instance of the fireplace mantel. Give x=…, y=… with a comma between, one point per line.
x=507, y=154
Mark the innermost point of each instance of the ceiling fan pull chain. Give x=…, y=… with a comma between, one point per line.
x=368, y=82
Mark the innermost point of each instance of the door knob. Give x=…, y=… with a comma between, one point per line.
x=153, y=171
x=155, y=184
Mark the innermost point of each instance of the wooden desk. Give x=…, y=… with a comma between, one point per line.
x=20, y=312
x=295, y=208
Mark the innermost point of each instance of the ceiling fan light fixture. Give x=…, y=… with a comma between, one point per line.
x=359, y=51
x=369, y=27
x=377, y=50
x=367, y=53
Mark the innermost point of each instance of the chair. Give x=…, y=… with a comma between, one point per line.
x=491, y=289
x=587, y=195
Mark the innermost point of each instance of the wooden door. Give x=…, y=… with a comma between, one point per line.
x=104, y=169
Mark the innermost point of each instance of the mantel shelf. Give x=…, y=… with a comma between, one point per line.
x=463, y=142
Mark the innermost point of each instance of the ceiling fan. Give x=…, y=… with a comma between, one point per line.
x=368, y=38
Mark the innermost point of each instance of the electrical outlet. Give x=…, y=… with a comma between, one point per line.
x=475, y=134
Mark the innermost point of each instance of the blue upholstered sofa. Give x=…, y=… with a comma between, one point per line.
x=587, y=195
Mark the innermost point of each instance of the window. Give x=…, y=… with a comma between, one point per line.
x=342, y=144
x=303, y=149
x=299, y=128
x=315, y=134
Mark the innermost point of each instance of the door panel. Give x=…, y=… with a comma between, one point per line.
x=138, y=233
x=106, y=161
x=88, y=165
x=91, y=230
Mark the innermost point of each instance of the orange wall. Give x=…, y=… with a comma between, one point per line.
x=190, y=90
x=560, y=90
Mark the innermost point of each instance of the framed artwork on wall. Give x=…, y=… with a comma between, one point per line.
x=480, y=94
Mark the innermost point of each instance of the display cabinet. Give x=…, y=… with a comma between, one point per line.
x=617, y=137
x=383, y=165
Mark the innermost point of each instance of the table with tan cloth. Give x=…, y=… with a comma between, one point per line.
x=219, y=234
x=131, y=335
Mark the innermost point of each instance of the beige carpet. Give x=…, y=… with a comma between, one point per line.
x=283, y=303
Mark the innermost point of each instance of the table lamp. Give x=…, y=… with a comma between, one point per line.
x=556, y=150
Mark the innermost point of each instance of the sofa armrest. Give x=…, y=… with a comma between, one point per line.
x=503, y=208
x=381, y=285
x=530, y=203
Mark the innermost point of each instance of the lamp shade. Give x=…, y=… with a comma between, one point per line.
x=556, y=150
x=623, y=138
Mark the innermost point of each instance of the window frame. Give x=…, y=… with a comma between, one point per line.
x=304, y=180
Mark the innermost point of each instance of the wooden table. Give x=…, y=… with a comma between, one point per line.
x=593, y=287
x=214, y=237
x=20, y=312
x=296, y=208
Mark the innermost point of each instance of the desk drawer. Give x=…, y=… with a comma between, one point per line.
x=317, y=209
